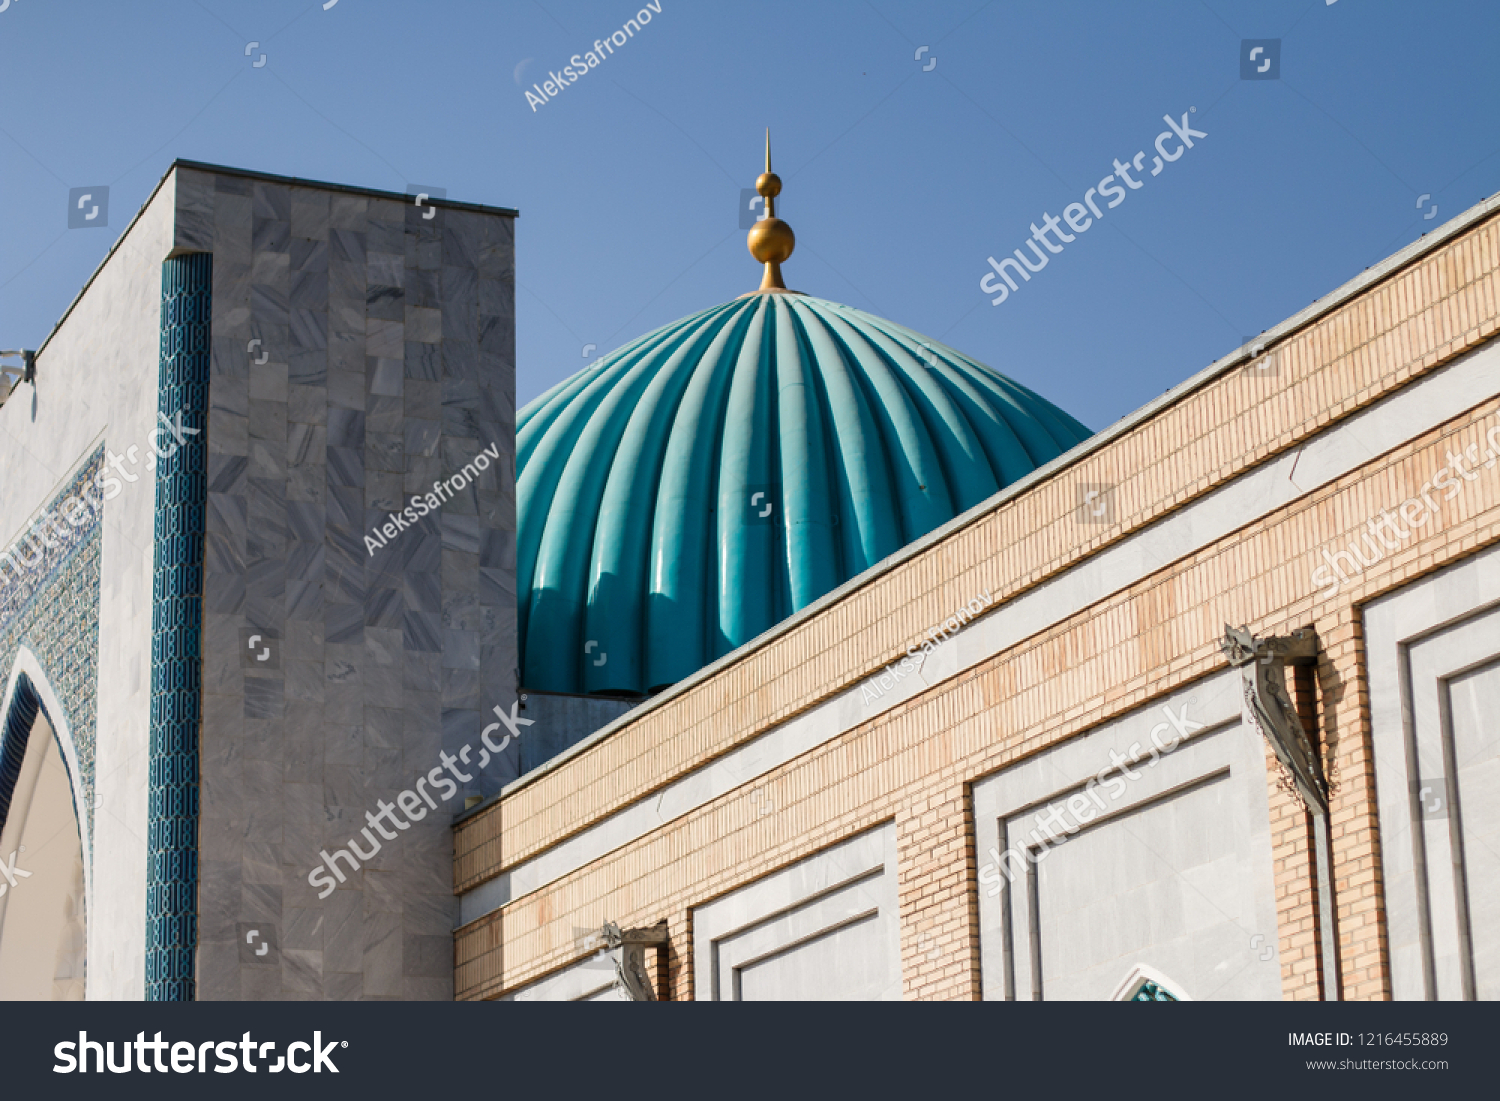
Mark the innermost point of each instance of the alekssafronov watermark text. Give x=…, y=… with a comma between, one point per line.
x=1171, y=144
x=580, y=65
x=422, y=504
x=918, y=652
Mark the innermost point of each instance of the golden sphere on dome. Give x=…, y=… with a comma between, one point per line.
x=771, y=241
x=768, y=184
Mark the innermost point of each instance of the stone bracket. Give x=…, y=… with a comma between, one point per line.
x=1262, y=664
x=627, y=949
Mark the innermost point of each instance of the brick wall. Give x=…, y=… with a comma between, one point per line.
x=913, y=764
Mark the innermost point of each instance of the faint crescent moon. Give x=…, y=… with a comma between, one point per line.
x=521, y=69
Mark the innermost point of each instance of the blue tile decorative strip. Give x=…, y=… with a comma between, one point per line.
x=49, y=603
x=176, y=636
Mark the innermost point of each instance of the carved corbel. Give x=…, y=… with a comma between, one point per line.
x=1262, y=664
x=628, y=950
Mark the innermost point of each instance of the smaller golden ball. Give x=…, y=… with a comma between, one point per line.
x=768, y=184
x=771, y=239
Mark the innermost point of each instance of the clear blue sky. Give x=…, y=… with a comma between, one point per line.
x=899, y=180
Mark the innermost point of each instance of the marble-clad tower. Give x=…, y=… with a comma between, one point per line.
x=253, y=658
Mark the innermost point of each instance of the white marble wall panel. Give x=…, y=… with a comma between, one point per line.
x=824, y=929
x=1473, y=702
x=591, y=979
x=97, y=380
x=1434, y=659
x=1173, y=871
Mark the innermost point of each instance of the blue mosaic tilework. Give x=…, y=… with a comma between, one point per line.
x=1151, y=992
x=177, y=637
x=49, y=603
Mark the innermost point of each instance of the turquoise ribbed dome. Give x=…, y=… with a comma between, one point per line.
x=696, y=487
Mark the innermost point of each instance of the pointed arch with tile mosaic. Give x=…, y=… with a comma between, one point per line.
x=49, y=604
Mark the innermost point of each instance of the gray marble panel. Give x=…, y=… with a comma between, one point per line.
x=423, y=590
x=267, y=420
x=422, y=437
x=384, y=608
x=347, y=211
x=271, y=235
x=346, y=351
x=462, y=358
x=347, y=246
x=423, y=361
x=462, y=687
x=423, y=325
x=194, y=230
x=268, y=382
x=310, y=210
x=382, y=954
x=384, y=416
x=423, y=289
x=271, y=270
x=307, y=404
x=372, y=385
x=385, y=338
x=423, y=399
x=308, y=256
x=272, y=200
x=346, y=390
x=389, y=239
x=422, y=631
x=346, y=466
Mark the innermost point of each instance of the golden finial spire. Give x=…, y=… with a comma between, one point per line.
x=771, y=240
x=770, y=193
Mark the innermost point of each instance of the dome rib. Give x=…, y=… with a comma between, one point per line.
x=1062, y=427
x=866, y=483
x=560, y=573
x=534, y=418
x=1039, y=442
x=1008, y=458
x=677, y=613
x=746, y=573
x=965, y=464
x=689, y=491
x=845, y=534
x=910, y=452
x=619, y=563
x=545, y=441
x=812, y=553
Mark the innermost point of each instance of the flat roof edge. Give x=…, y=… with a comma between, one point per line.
x=346, y=189
x=226, y=170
